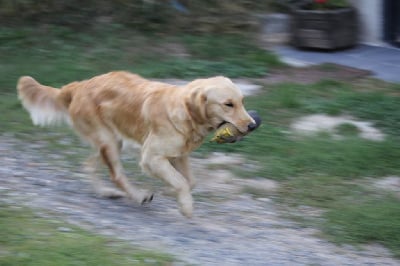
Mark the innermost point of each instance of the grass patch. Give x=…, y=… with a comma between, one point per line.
x=351, y=213
x=15, y=119
x=347, y=129
x=57, y=55
x=28, y=239
x=372, y=219
x=318, y=191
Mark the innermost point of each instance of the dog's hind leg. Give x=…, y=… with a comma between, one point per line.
x=91, y=166
x=108, y=149
x=111, y=157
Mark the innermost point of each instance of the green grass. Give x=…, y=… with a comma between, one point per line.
x=352, y=213
x=57, y=55
x=29, y=239
x=366, y=220
x=347, y=129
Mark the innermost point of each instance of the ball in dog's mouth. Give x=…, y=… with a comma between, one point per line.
x=228, y=133
x=256, y=117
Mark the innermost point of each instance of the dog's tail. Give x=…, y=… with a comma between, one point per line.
x=42, y=102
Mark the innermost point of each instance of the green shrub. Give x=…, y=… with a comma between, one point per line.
x=159, y=15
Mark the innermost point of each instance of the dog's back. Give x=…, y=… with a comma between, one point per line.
x=114, y=100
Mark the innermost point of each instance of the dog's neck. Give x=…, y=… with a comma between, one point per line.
x=196, y=136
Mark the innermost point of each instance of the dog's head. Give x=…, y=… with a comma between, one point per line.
x=217, y=100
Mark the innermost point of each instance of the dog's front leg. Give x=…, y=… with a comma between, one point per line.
x=159, y=166
x=183, y=166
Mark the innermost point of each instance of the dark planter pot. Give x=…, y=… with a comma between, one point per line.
x=324, y=29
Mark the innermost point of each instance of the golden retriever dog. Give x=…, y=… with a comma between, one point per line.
x=167, y=121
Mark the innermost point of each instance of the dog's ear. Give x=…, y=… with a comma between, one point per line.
x=196, y=104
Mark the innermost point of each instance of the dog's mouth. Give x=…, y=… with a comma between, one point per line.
x=225, y=122
x=222, y=123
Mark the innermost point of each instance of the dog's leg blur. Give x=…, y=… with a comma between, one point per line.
x=182, y=164
x=161, y=167
x=111, y=157
x=91, y=166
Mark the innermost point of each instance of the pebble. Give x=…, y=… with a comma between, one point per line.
x=64, y=229
x=235, y=230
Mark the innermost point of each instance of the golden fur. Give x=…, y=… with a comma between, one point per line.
x=167, y=121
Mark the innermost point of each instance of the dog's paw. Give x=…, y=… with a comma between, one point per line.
x=185, y=202
x=186, y=211
x=140, y=196
x=147, y=199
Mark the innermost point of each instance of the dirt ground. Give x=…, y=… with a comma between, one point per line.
x=312, y=74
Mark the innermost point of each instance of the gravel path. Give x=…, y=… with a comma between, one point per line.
x=228, y=227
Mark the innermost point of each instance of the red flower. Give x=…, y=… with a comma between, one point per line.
x=320, y=1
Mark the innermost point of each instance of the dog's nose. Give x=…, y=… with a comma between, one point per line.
x=256, y=118
x=252, y=126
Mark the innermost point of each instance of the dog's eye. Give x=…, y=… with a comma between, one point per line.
x=229, y=104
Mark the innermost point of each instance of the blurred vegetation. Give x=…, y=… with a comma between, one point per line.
x=161, y=15
x=114, y=46
x=290, y=5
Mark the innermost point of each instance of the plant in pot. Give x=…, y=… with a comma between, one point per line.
x=324, y=24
